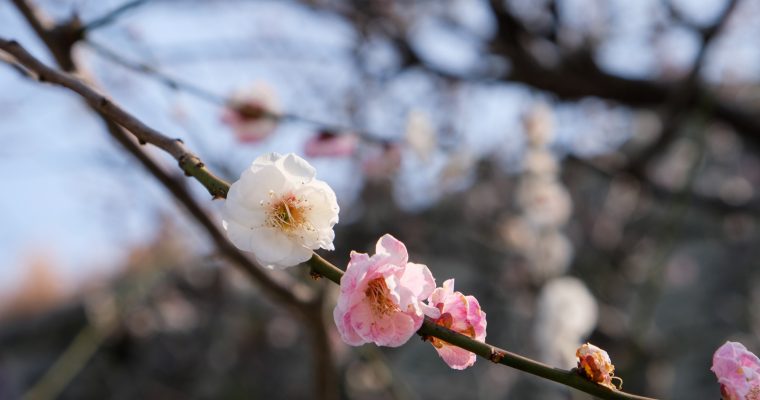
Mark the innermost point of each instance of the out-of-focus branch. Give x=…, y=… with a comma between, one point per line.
x=189, y=162
x=578, y=76
x=111, y=16
x=681, y=97
x=217, y=100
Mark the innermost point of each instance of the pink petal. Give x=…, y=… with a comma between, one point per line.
x=345, y=328
x=455, y=357
x=394, y=248
x=331, y=145
x=396, y=329
x=419, y=279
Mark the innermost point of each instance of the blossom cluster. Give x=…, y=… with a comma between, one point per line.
x=544, y=203
x=279, y=211
x=384, y=299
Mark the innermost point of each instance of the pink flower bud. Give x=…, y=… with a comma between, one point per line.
x=330, y=144
x=252, y=114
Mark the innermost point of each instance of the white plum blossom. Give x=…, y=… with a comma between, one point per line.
x=566, y=313
x=420, y=135
x=279, y=211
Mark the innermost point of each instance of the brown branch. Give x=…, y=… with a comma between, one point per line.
x=682, y=98
x=571, y=378
x=111, y=16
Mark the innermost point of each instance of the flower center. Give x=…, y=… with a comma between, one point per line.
x=288, y=213
x=379, y=297
x=754, y=393
x=251, y=111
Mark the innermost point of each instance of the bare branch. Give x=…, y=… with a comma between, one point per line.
x=492, y=353
x=220, y=101
x=111, y=16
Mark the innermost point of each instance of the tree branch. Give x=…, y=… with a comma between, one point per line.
x=320, y=266
x=429, y=328
x=111, y=16
x=189, y=162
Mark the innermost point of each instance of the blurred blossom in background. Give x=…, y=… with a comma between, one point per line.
x=574, y=171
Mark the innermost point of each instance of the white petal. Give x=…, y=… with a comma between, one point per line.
x=297, y=256
x=255, y=186
x=297, y=168
x=270, y=246
x=238, y=234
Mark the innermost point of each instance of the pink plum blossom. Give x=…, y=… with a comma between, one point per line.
x=738, y=372
x=381, y=296
x=459, y=313
x=252, y=113
x=330, y=144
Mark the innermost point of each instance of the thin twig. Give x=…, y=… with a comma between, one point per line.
x=429, y=328
x=111, y=16
x=189, y=162
x=221, y=101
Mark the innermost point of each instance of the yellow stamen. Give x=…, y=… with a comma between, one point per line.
x=379, y=297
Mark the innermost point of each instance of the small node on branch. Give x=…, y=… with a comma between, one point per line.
x=142, y=142
x=178, y=140
x=496, y=356
x=199, y=164
x=103, y=102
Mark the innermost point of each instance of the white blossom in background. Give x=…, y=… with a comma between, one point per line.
x=279, y=211
x=544, y=203
x=539, y=126
x=420, y=135
x=459, y=170
x=550, y=255
x=566, y=314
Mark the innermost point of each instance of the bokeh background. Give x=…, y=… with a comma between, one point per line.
x=587, y=169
